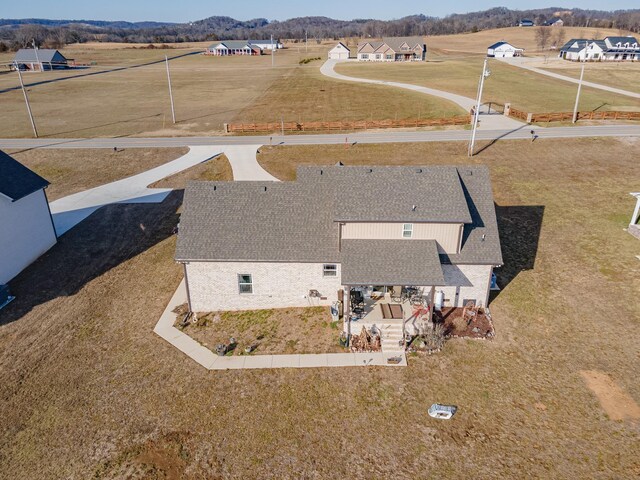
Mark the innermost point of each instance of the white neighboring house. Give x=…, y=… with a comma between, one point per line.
x=504, y=50
x=339, y=52
x=266, y=44
x=253, y=245
x=609, y=49
x=27, y=227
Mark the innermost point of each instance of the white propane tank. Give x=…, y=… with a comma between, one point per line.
x=439, y=300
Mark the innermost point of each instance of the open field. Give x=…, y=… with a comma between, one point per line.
x=89, y=391
x=623, y=75
x=126, y=93
x=524, y=37
x=72, y=171
x=460, y=74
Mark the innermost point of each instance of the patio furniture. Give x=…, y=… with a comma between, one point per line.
x=357, y=299
x=396, y=293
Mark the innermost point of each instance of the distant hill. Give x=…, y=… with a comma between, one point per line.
x=9, y=22
x=54, y=33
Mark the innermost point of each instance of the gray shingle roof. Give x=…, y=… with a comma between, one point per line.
x=395, y=43
x=298, y=221
x=391, y=262
x=477, y=249
x=388, y=194
x=45, y=55
x=232, y=44
x=241, y=221
x=16, y=180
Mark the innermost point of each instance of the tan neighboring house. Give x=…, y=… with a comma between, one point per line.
x=337, y=230
x=393, y=49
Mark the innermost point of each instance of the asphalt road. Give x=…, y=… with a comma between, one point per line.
x=523, y=132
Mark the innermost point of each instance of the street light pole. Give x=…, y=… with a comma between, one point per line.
x=26, y=100
x=575, y=108
x=173, y=112
x=35, y=49
x=485, y=73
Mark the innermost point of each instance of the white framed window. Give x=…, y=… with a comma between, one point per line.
x=245, y=283
x=407, y=230
x=378, y=56
x=365, y=56
x=329, y=270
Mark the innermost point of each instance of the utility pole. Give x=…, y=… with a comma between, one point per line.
x=26, y=99
x=173, y=112
x=282, y=125
x=306, y=42
x=35, y=49
x=575, y=108
x=476, y=113
x=272, y=57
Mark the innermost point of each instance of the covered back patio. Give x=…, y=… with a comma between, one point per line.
x=389, y=287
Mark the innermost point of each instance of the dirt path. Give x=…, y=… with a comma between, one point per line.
x=618, y=404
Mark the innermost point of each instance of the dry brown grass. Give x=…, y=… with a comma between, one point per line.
x=216, y=169
x=520, y=37
x=89, y=391
x=277, y=331
x=72, y=171
x=624, y=75
x=525, y=90
x=126, y=93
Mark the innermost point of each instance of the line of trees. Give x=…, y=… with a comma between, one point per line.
x=55, y=34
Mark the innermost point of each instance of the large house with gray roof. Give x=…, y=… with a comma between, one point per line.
x=615, y=49
x=393, y=49
x=242, y=47
x=27, y=227
x=336, y=230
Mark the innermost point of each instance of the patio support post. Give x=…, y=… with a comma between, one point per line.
x=346, y=308
x=432, y=293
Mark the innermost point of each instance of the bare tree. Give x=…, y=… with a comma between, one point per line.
x=543, y=34
x=559, y=38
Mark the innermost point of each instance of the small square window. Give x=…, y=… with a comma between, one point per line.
x=245, y=283
x=329, y=270
x=407, y=230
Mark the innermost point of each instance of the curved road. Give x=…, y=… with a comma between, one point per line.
x=522, y=63
x=485, y=121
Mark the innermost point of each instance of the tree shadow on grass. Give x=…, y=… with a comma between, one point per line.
x=519, y=228
x=112, y=235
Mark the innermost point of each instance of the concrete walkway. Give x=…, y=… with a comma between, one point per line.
x=244, y=164
x=68, y=211
x=205, y=357
x=523, y=62
x=485, y=121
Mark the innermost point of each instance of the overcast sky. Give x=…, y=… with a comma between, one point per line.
x=186, y=10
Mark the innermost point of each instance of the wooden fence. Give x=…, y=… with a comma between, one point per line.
x=568, y=116
x=356, y=125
